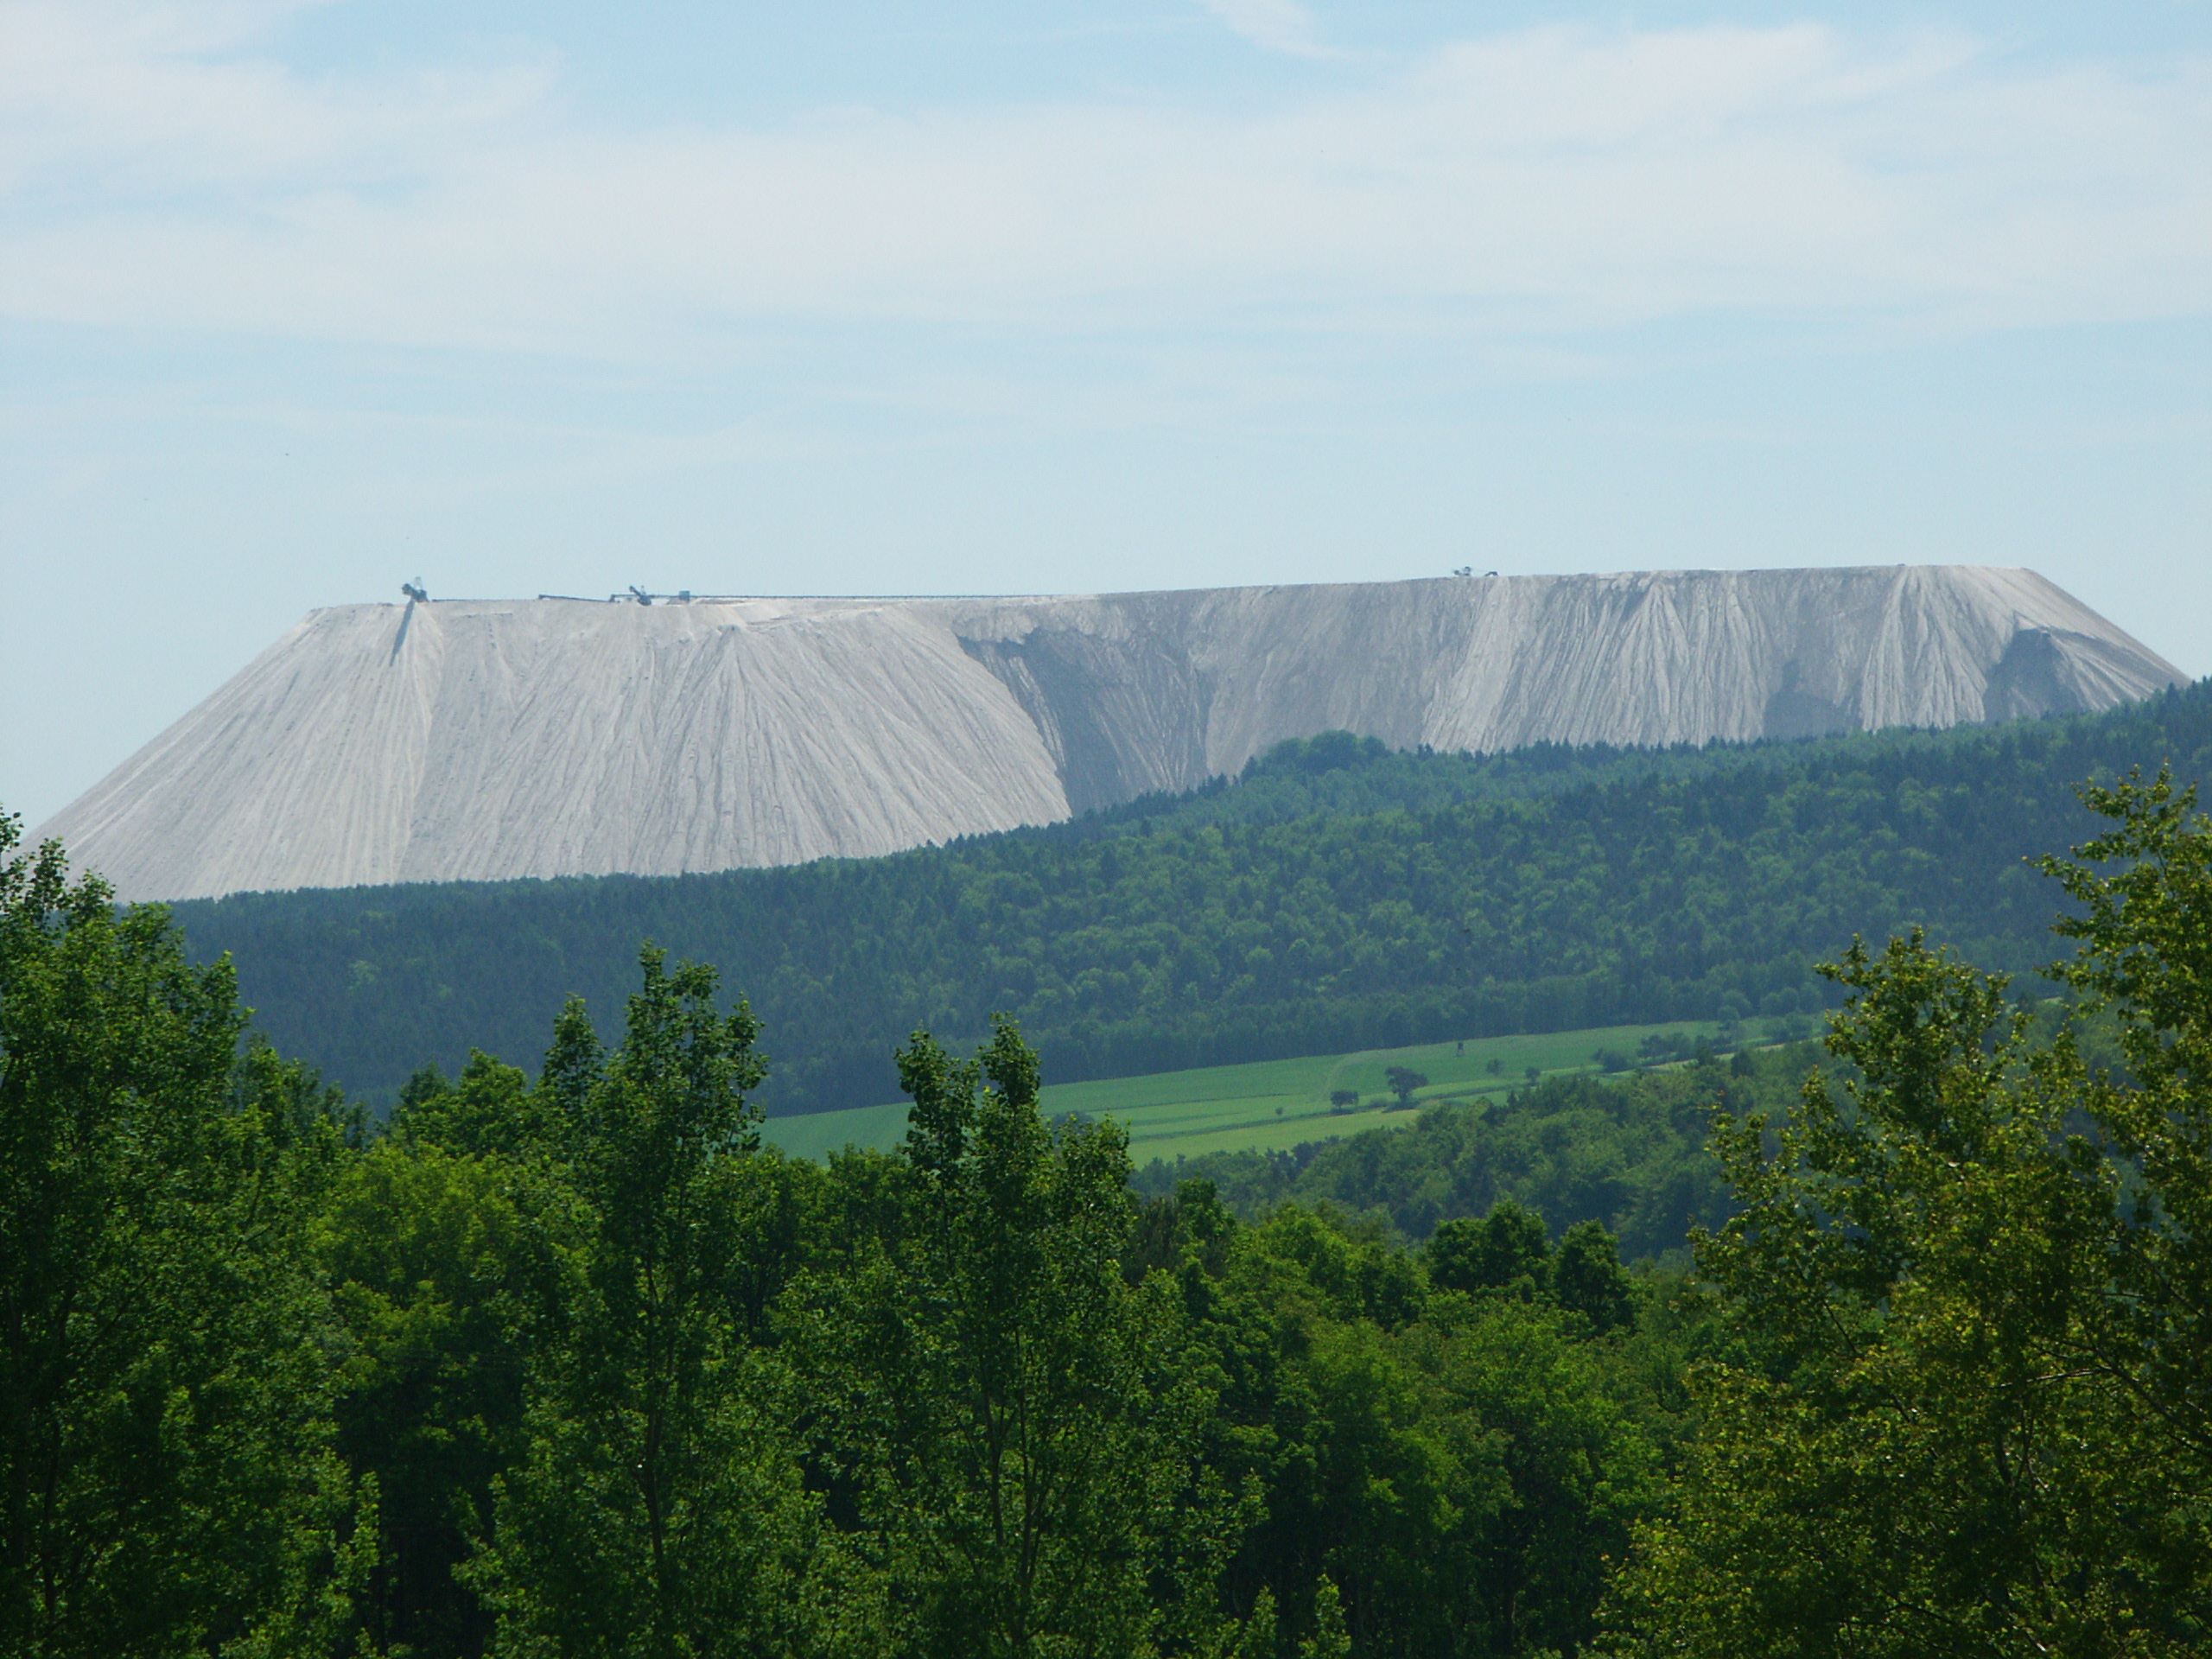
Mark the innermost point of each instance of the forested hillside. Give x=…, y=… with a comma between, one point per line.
x=1335, y=897
x=1626, y=1152
x=574, y=1368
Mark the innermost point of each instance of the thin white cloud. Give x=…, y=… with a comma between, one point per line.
x=1525, y=183
x=1274, y=25
x=111, y=103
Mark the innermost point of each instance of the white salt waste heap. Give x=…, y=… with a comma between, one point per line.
x=470, y=740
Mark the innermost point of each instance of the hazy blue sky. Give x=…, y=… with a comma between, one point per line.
x=298, y=302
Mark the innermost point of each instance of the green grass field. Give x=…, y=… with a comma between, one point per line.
x=1277, y=1104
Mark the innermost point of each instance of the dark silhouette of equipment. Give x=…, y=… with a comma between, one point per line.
x=417, y=594
x=635, y=595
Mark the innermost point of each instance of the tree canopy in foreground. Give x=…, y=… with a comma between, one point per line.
x=576, y=1367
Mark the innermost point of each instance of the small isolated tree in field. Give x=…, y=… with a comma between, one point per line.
x=1403, y=1081
x=1344, y=1099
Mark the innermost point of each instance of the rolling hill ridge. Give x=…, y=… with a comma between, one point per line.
x=1339, y=896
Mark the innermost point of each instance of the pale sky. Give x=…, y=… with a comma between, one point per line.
x=299, y=301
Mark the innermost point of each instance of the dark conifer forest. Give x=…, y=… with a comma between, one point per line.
x=1336, y=897
x=1893, y=1346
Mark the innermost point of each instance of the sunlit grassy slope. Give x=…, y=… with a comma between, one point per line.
x=1274, y=1104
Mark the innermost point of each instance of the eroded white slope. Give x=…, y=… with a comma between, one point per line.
x=472, y=740
x=1645, y=657
x=381, y=743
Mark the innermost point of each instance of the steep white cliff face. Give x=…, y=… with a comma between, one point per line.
x=465, y=740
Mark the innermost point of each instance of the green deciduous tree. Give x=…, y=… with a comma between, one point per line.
x=655, y=1509
x=1443, y=1475
x=166, y=1482
x=1587, y=1277
x=2145, y=932
x=446, y=1270
x=1507, y=1248
x=1014, y=1424
x=1537, y=1407
x=1969, y=1416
